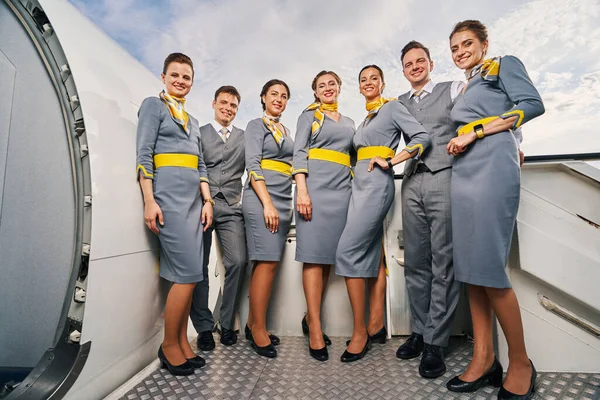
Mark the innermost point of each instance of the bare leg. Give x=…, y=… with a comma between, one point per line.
x=184, y=343
x=176, y=309
x=260, y=292
x=506, y=306
x=356, y=293
x=377, y=300
x=249, y=320
x=312, y=279
x=483, y=348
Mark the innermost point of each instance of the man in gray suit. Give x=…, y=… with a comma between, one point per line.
x=223, y=150
x=426, y=219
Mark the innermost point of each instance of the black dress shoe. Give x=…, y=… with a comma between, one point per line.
x=228, y=337
x=504, y=394
x=275, y=341
x=411, y=348
x=180, y=370
x=205, y=341
x=306, y=332
x=319, y=354
x=197, y=362
x=350, y=357
x=492, y=377
x=432, y=362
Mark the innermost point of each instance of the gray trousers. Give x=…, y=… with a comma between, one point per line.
x=228, y=223
x=427, y=227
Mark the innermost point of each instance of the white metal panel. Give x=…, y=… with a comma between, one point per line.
x=123, y=320
x=111, y=85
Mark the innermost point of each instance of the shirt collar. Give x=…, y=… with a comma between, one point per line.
x=217, y=126
x=428, y=88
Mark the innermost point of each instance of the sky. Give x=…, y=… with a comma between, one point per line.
x=246, y=43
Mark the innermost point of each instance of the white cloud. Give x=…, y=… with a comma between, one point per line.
x=246, y=43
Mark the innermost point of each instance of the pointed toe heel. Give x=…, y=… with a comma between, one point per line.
x=351, y=357
x=492, y=377
x=504, y=394
x=319, y=354
x=176, y=370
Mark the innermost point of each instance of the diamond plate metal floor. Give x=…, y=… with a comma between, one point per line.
x=238, y=373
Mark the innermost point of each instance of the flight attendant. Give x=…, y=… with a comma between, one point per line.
x=267, y=206
x=359, y=254
x=485, y=187
x=323, y=185
x=177, y=202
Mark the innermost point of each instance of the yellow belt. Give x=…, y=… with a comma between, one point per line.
x=175, y=160
x=329, y=155
x=277, y=166
x=366, y=153
x=469, y=127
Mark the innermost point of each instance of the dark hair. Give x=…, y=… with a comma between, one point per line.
x=472, y=25
x=320, y=74
x=413, y=44
x=372, y=66
x=229, y=90
x=268, y=86
x=178, y=58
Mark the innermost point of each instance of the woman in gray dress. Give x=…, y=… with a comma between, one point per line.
x=322, y=148
x=359, y=255
x=485, y=188
x=267, y=206
x=177, y=202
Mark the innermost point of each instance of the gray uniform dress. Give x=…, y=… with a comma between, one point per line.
x=260, y=144
x=486, y=179
x=176, y=189
x=225, y=163
x=329, y=186
x=360, y=246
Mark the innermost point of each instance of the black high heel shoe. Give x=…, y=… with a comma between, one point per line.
x=306, y=332
x=179, y=370
x=504, y=394
x=197, y=362
x=275, y=341
x=319, y=354
x=266, y=351
x=379, y=337
x=492, y=377
x=350, y=357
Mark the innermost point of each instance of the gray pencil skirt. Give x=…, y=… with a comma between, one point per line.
x=361, y=244
x=485, y=192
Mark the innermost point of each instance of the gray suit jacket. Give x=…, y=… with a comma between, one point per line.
x=225, y=162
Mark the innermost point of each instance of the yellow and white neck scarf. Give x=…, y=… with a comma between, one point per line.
x=175, y=107
x=489, y=69
x=319, y=116
x=270, y=124
x=374, y=106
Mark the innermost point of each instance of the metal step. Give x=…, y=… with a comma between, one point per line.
x=237, y=372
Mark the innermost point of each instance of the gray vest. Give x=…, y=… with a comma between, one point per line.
x=225, y=162
x=433, y=112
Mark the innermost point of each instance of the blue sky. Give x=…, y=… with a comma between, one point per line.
x=247, y=43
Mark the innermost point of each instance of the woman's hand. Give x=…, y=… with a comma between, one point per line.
x=207, y=215
x=383, y=164
x=271, y=217
x=151, y=213
x=304, y=205
x=521, y=158
x=459, y=144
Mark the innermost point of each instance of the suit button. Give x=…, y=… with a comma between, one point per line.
x=223, y=172
x=225, y=148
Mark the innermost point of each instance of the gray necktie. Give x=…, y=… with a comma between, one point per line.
x=417, y=95
x=224, y=134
